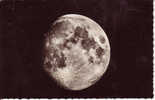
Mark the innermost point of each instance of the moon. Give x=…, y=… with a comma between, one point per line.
x=76, y=52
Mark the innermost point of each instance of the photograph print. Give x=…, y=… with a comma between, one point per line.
x=76, y=49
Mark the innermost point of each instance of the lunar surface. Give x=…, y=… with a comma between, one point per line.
x=77, y=52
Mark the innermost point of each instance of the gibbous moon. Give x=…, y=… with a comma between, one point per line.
x=77, y=52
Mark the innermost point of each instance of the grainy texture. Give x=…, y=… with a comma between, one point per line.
x=127, y=23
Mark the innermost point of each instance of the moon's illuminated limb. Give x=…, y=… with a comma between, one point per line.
x=78, y=52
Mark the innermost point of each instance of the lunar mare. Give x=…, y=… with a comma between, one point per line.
x=77, y=52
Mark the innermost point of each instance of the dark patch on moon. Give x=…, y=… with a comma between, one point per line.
x=56, y=58
x=81, y=32
x=99, y=52
x=61, y=61
x=74, y=40
x=102, y=39
x=91, y=59
x=88, y=43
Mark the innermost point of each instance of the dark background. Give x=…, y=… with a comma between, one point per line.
x=127, y=23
